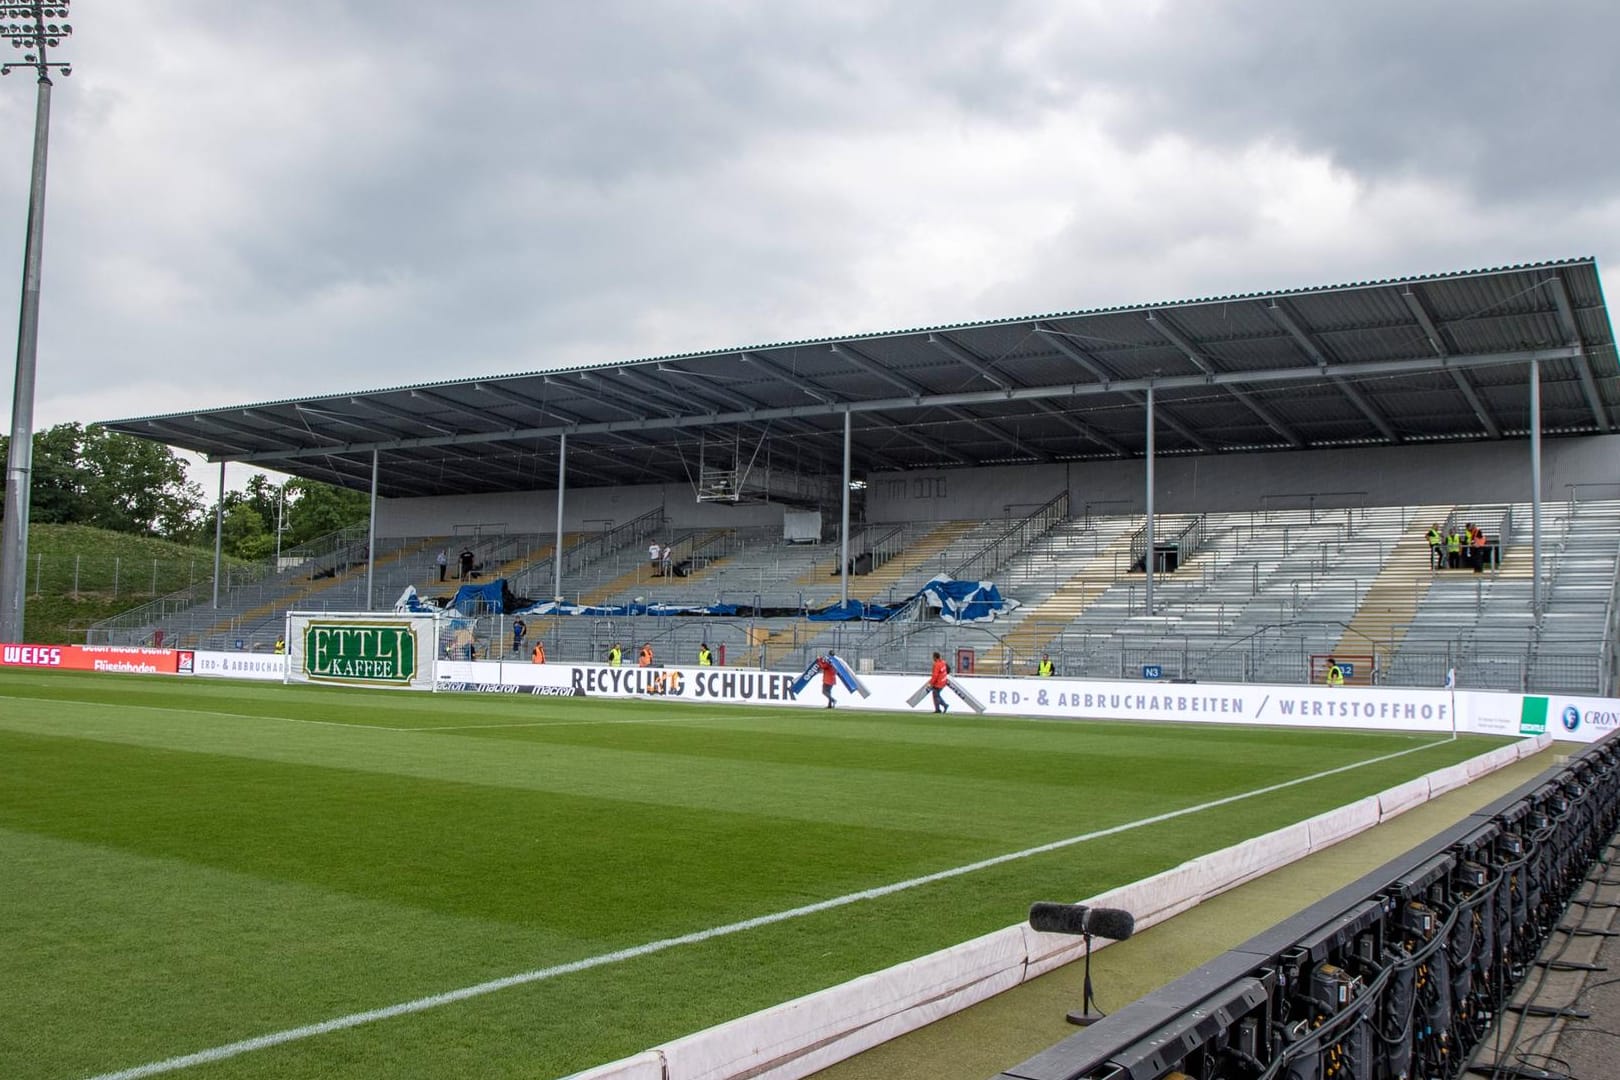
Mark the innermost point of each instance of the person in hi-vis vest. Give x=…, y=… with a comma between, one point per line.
x=1335, y=673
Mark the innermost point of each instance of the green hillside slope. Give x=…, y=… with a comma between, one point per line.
x=78, y=575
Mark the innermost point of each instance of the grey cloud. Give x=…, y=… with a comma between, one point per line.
x=309, y=197
x=1513, y=100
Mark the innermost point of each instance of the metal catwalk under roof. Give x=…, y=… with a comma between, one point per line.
x=1406, y=360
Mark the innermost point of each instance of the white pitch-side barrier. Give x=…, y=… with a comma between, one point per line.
x=803, y=1036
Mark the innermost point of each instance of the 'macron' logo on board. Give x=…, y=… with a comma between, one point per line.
x=360, y=652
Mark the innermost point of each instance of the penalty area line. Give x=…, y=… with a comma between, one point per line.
x=450, y=997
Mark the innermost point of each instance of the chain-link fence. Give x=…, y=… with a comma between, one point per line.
x=115, y=577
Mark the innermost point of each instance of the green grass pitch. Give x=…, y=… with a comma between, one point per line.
x=190, y=863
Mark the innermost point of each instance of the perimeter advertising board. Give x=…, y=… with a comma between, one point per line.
x=1563, y=716
x=242, y=665
x=111, y=659
x=1282, y=706
x=389, y=652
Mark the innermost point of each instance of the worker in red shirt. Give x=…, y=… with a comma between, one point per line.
x=829, y=676
x=936, y=683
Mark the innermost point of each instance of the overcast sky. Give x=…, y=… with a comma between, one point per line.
x=250, y=201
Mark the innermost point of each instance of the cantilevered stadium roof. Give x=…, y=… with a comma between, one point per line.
x=1405, y=360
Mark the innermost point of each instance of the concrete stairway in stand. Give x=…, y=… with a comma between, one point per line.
x=1046, y=620
x=290, y=601
x=1393, y=598
x=642, y=574
x=905, y=564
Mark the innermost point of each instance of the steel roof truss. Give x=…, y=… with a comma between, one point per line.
x=183, y=432
x=932, y=445
x=736, y=399
x=348, y=420
x=545, y=409
x=965, y=356
x=1175, y=337
x=1368, y=369
x=280, y=423
x=691, y=401
x=798, y=382
x=430, y=471
x=1583, y=365
x=654, y=393
x=1312, y=349
x=1420, y=312
x=873, y=368
x=1465, y=386
x=494, y=423
x=220, y=423
x=510, y=467
x=591, y=389
x=400, y=413
x=960, y=354
x=1094, y=367
x=827, y=397
x=1368, y=409
x=1271, y=419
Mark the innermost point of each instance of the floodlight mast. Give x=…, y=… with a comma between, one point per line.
x=34, y=28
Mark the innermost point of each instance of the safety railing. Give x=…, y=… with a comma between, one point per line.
x=879, y=549
x=1611, y=633
x=135, y=625
x=1021, y=534
x=1180, y=540
x=539, y=578
x=1313, y=502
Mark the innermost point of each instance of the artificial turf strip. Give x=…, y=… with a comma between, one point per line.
x=192, y=863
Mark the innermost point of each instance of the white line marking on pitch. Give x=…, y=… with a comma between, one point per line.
x=277, y=1038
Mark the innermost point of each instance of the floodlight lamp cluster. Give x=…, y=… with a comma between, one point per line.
x=36, y=27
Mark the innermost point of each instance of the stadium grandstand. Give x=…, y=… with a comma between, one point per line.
x=1225, y=489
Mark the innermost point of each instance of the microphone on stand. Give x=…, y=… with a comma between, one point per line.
x=1085, y=922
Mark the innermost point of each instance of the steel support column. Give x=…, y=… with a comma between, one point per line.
x=1148, y=559
x=219, y=530
x=1535, y=488
x=843, y=528
x=371, y=534
x=557, y=553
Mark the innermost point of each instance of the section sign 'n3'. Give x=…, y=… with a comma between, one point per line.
x=365, y=653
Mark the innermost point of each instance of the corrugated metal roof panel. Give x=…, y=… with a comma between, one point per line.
x=1477, y=313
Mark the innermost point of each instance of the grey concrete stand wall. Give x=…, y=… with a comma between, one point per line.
x=585, y=509
x=1480, y=472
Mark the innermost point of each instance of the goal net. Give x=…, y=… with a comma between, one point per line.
x=391, y=651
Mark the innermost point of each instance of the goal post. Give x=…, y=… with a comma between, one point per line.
x=362, y=648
